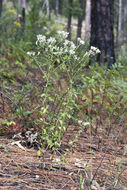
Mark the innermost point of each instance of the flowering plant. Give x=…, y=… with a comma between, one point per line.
x=58, y=47
x=61, y=47
x=63, y=52
x=61, y=64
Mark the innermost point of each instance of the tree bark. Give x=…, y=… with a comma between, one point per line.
x=24, y=4
x=23, y=11
x=0, y=8
x=102, y=35
x=87, y=19
x=80, y=19
x=63, y=7
x=119, y=23
x=47, y=5
x=69, y=19
x=125, y=21
x=47, y=8
x=57, y=8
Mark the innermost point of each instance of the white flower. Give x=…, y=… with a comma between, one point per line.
x=73, y=46
x=51, y=40
x=81, y=41
x=45, y=28
x=72, y=52
x=94, y=50
x=98, y=51
x=30, y=53
x=76, y=58
x=66, y=42
x=57, y=53
x=40, y=39
x=63, y=33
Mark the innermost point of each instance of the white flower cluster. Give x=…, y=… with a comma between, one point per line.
x=66, y=48
x=40, y=39
x=51, y=45
x=72, y=46
x=51, y=40
x=94, y=50
x=80, y=41
x=69, y=47
x=76, y=58
x=57, y=46
x=72, y=52
x=69, y=44
x=55, y=50
x=31, y=53
x=66, y=42
x=45, y=28
x=63, y=34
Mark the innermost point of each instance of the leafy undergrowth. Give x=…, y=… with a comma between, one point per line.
x=101, y=161
x=74, y=115
x=99, y=158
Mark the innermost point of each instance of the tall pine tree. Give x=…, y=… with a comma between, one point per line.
x=0, y=7
x=102, y=30
x=70, y=3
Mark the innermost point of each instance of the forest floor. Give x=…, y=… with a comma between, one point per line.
x=98, y=159
x=101, y=161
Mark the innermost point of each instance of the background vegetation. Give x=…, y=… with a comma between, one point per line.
x=59, y=66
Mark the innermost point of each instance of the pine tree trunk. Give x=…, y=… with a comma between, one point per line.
x=80, y=19
x=125, y=21
x=63, y=7
x=47, y=8
x=0, y=8
x=57, y=8
x=119, y=23
x=102, y=35
x=87, y=19
x=23, y=11
x=69, y=19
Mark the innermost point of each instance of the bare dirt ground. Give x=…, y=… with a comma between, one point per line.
x=101, y=161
